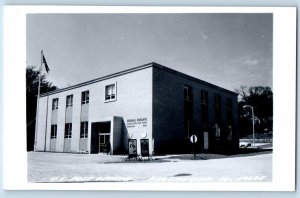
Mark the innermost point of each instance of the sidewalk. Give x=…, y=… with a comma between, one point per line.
x=47, y=157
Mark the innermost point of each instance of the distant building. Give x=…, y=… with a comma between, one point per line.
x=147, y=102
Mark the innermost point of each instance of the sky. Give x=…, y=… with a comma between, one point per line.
x=229, y=50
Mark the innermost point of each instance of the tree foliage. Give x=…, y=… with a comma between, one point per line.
x=32, y=83
x=261, y=99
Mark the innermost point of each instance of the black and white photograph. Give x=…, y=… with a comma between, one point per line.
x=108, y=78
x=150, y=97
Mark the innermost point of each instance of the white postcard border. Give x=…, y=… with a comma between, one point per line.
x=284, y=84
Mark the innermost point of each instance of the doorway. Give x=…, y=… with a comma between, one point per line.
x=103, y=141
x=100, y=136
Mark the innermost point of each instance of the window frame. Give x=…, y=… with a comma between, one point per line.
x=204, y=97
x=53, y=134
x=217, y=131
x=67, y=104
x=218, y=101
x=114, y=92
x=68, y=130
x=84, y=128
x=229, y=104
x=188, y=93
x=55, y=107
x=85, y=97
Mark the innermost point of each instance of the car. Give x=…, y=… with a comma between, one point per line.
x=245, y=144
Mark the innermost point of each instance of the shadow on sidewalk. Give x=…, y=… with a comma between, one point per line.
x=221, y=155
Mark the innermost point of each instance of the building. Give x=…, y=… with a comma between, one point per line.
x=150, y=102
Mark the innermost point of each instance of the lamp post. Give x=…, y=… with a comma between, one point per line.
x=252, y=111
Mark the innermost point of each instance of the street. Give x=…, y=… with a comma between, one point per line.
x=67, y=167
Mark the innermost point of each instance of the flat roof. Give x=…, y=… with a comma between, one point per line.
x=134, y=69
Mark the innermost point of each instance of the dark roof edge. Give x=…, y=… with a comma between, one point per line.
x=141, y=67
x=193, y=78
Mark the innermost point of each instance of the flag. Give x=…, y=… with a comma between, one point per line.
x=46, y=65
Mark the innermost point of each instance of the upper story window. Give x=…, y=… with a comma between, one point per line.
x=85, y=97
x=229, y=104
x=69, y=102
x=217, y=101
x=204, y=97
x=188, y=95
x=110, y=92
x=55, y=103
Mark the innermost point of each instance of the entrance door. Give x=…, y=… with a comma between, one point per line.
x=100, y=136
x=103, y=140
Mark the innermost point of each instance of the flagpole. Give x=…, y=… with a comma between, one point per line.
x=37, y=103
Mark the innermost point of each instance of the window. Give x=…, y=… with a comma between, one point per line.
x=217, y=131
x=69, y=102
x=110, y=92
x=55, y=103
x=188, y=110
x=53, y=131
x=204, y=110
x=188, y=93
x=217, y=101
x=229, y=104
x=204, y=97
x=229, y=111
x=218, y=112
x=68, y=130
x=85, y=97
x=84, y=130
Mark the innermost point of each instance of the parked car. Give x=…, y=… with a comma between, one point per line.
x=245, y=144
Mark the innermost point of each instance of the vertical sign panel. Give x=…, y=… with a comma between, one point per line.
x=144, y=147
x=132, y=147
x=205, y=140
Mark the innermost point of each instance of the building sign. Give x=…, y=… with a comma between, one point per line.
x=145, y=147
x=138, y=122
x=132, y=147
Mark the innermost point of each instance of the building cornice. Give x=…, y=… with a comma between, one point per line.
x=138, y=68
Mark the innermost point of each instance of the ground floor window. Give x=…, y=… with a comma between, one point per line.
x=217, y=131
x=84, y=130
x=53, y=131
x=229, y=132
x=68, y=130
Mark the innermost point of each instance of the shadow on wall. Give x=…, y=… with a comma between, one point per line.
x=123, y=149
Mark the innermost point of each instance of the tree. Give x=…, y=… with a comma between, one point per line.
x=32, y=82
x=261, y=99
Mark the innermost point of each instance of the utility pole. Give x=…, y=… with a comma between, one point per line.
x=253, y=131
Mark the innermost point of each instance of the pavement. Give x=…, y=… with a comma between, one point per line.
x=264, y=145
x=206, y=167
x=259, y=146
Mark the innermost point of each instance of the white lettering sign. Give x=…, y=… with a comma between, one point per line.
x=131, y=123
